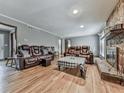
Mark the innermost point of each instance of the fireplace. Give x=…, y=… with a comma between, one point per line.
x=112, y=56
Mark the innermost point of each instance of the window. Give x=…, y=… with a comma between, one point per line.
x=69, y=43
x=102, y=47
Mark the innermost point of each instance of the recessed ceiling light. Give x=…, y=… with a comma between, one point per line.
x=82, y=26
x=75, y=11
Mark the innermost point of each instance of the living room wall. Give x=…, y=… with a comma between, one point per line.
x=30, y=35
x=92, y=41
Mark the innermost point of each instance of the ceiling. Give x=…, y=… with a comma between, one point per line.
x=56, y=16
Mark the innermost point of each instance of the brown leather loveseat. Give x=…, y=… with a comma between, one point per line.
x=80, y=51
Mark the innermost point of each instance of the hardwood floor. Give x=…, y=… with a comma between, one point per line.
x=49, y=80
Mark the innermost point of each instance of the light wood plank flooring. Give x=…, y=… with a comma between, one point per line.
x=49, y=80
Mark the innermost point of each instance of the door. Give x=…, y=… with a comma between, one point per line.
x=1, y=46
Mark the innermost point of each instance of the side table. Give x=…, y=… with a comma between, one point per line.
x=46, y=62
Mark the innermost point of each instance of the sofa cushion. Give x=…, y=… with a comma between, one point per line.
x=45, y=52
x=25, y=53
x=84, y=50
x=77, y=52
x=51, y=50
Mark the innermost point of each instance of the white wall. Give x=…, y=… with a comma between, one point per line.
x=63, y=45
x=31, y=36
x=92, y=41
x=35, y=37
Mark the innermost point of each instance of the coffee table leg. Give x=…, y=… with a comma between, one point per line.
x=81, y=72
x=59, y=67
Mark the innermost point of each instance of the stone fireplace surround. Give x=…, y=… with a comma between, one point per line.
x=115, y=22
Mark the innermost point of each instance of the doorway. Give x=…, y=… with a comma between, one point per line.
x=8, y=40
x=1, y=46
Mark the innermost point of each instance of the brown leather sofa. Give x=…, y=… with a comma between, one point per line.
x=26, y=61
x=32, y=55
x=45, y=52
x=80, y=51
x=35, y=52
